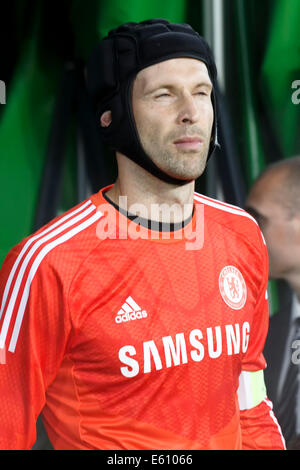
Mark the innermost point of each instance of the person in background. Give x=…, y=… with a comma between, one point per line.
x=274, y=201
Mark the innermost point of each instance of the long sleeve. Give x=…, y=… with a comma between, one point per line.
x=34, y=327
x=259, y=426
x=260, y=429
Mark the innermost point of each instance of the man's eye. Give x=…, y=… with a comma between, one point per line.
x=162, y=95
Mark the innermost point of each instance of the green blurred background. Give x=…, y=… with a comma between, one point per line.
x=47, y=161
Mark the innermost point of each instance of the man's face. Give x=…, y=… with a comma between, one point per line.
x=279, y=230
x=174, y=115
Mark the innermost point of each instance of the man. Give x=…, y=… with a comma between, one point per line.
x=137, y=320
x=274, y=201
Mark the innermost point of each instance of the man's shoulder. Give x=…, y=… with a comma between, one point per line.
x=233, y=217
x=65, y=239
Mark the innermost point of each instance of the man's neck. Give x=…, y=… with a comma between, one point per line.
x=148, y=197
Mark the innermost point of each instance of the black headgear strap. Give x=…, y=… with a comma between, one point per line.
x=115, y=63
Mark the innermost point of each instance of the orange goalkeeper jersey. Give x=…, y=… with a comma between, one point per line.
x=130, y=338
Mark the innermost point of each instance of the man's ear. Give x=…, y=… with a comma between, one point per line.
x=106, y=119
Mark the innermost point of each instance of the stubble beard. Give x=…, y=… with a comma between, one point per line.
x=185, y=164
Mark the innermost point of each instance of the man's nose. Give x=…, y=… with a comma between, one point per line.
x=188, y=110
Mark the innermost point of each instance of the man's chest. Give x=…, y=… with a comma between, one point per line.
x=143, y=310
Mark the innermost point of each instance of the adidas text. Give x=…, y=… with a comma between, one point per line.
x=130, y=316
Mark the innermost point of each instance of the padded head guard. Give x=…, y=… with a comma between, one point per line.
x=113, y=66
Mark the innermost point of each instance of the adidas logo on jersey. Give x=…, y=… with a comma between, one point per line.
x=130, y=311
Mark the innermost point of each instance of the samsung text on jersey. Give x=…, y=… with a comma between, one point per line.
x=236, y=338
